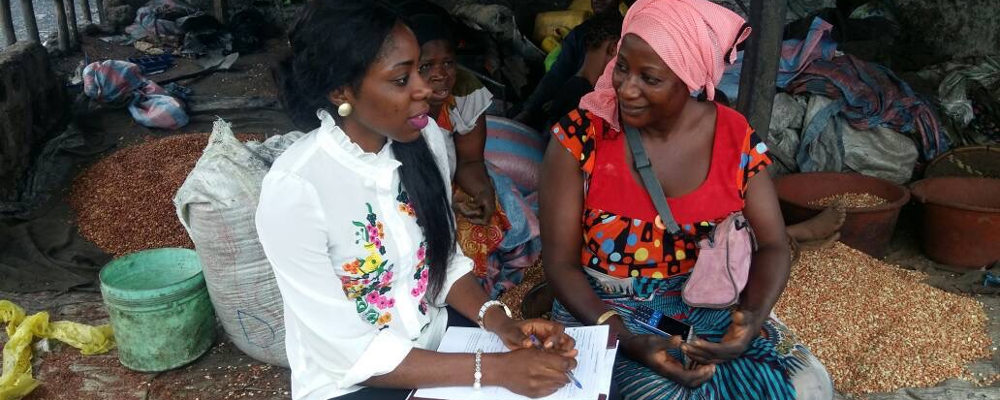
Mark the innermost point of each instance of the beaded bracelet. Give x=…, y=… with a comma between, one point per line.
x=477, y=384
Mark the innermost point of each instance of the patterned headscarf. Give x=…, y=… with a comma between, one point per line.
x=695, y=38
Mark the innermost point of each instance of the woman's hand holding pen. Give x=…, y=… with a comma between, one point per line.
x=541, y=359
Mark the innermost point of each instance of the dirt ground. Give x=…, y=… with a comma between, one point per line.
x=224, y=372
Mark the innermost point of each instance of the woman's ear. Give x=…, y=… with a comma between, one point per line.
x=340, y=96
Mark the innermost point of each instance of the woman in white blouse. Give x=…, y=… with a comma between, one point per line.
x=356, y=221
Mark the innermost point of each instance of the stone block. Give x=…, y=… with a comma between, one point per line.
x=120, y=16
x=32, y=109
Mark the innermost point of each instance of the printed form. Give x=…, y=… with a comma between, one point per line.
x=595, y=362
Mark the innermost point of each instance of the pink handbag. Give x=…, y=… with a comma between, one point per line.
x=720, y=273
x=723, y=266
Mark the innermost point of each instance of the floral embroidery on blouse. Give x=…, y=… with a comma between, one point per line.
x=368, y=279
x=420, y=276
x=405, y=206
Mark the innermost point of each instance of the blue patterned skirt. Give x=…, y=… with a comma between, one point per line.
x=775, y=366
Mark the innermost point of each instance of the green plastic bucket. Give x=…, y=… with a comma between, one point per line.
x=159, y=308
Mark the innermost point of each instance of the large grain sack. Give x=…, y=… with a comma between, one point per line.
x=216, y=205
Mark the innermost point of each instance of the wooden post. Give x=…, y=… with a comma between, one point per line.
x=220, y=7
x=7, y=23
x=100, y=11
x=63, y=25
x=30, y=24
x=73, y=30
x=87, y=16
x=760, y=62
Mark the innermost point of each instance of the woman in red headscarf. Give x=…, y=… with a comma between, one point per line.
x=710, y=164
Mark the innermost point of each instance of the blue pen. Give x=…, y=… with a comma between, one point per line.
x=538, y=345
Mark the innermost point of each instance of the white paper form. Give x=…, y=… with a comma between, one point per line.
x=593, y=370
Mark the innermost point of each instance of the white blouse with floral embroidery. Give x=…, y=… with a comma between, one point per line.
x=347, y=253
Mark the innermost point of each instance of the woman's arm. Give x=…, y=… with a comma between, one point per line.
x=530, y=372
x=769, y=269
x=771, y=264
x=560, y=207
x=470, y=173
x=467, y=297
x=525, y=370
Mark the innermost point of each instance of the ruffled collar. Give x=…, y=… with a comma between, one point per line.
x=337, y=138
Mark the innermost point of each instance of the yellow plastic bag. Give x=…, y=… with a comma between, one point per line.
x=16, y=380
x=553, y=23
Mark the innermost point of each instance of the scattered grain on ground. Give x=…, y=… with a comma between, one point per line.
x=876, y=327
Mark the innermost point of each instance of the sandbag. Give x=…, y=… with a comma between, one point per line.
x=216, y=204
x=833, y=145
x=782, y=137
x=880, y=152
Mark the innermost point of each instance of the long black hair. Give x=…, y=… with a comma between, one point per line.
x=333, y=43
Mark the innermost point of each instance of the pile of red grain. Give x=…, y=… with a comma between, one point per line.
x=124, y=202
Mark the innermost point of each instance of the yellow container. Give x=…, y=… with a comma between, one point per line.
x=547, y=23
x=582, y=5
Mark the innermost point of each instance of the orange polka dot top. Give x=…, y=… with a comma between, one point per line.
x=620, y=238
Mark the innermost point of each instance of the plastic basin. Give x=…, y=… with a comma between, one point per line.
x=960, y=220
x=867, y=229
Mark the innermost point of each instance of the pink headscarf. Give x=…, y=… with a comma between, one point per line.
x=693, y=37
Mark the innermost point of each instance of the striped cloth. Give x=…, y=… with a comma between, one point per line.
x=868, y=96
x=516, y=150
x=120, y=82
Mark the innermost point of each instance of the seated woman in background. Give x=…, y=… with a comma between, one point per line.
x=606, y=251
x=356, y=220
x=496, y=227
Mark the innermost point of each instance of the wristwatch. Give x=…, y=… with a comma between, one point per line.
x=486, y=306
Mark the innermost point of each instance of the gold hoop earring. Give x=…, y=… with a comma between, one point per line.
x=344, y=109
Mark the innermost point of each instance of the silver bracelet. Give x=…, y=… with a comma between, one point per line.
x=486, y=306
x=477, y=384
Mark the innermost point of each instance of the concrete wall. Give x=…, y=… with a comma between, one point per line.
x=32, y=109
x=121, y=13
x=950, y=28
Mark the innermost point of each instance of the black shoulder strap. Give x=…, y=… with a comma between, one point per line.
x=645, y=170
